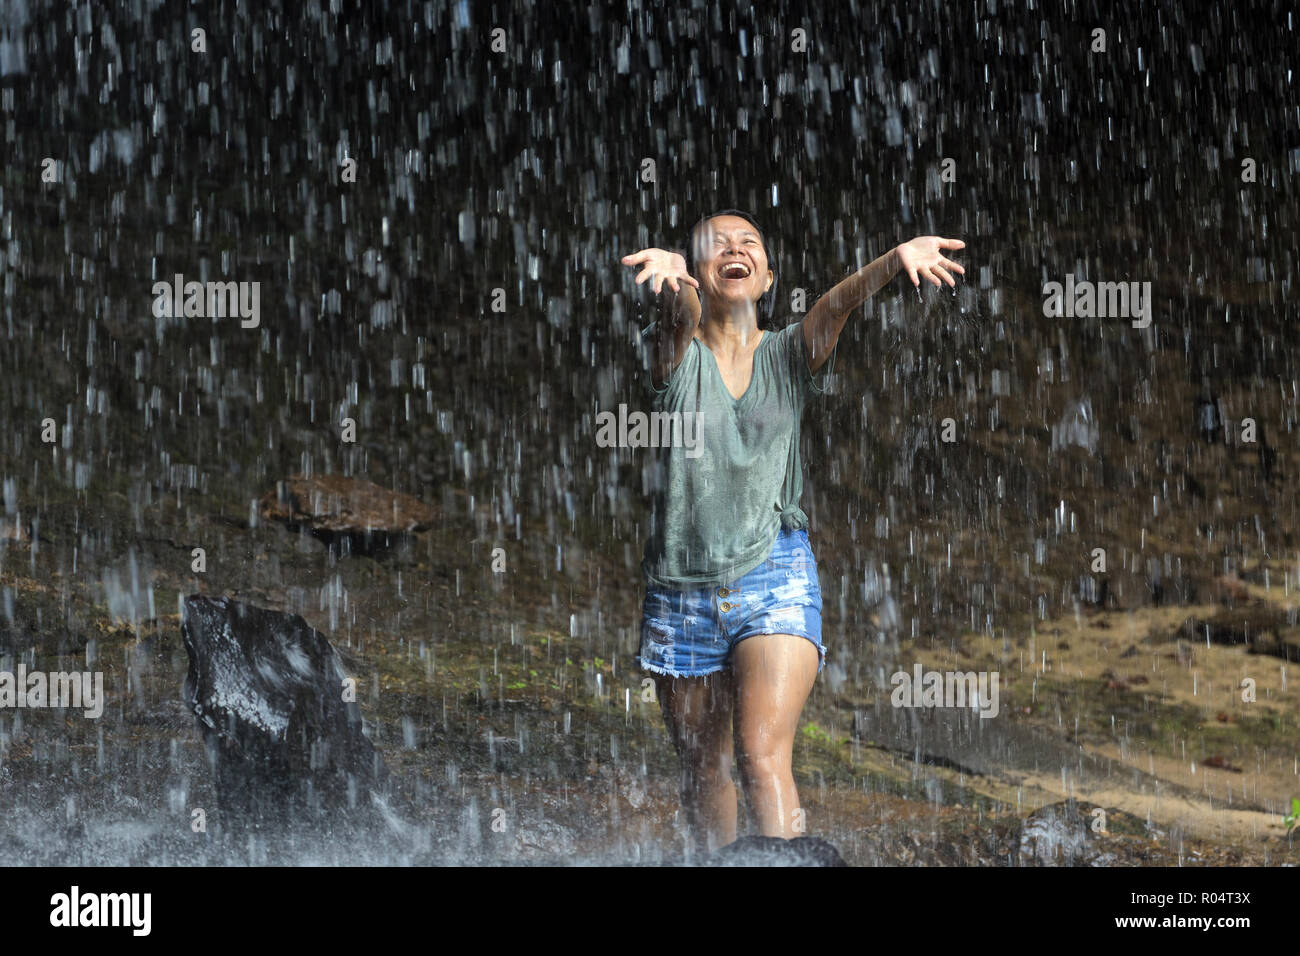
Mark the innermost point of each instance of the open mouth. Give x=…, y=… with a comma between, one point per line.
x=734, y=270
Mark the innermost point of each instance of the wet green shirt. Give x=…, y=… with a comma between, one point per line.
x=721, y=496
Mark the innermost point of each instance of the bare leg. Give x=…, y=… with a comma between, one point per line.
x=697, y=711
x=773, y=675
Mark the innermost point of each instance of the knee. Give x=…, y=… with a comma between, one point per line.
x=764, y=762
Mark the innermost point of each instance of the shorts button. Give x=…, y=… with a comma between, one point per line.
x=723, y=592
x=726, y=606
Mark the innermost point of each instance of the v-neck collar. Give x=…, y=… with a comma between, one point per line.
x=735, y=402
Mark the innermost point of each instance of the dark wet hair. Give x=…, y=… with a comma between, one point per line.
x=767, y=301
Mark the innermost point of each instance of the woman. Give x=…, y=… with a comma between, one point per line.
x=731, y=626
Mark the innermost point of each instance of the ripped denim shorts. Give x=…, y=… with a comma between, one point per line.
x=691, y=633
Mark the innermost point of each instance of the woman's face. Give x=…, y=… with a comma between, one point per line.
x=730, y=261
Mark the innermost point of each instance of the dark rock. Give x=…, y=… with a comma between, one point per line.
x=774, y=851
x=1209, y=419
x=337, y=505
x=1194, y=487
x=267, y=691
x=1264, y=629
x=1267, y=458
x=1220, y=762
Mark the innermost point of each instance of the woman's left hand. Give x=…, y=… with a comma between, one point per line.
x=923, y=256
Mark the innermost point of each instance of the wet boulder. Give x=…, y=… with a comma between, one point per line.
x=545, y=840
x=268, y=693
x=774, y=851
x=334, y=505
x=1062, y=834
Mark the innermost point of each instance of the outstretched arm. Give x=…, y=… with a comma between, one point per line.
x=921, y=256
x=679, y=307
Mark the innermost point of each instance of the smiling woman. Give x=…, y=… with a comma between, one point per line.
x=707, y=233
x=731, y=625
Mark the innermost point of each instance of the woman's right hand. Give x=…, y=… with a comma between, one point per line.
x=661, y=266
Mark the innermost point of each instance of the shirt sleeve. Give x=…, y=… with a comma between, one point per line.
x=798, y=350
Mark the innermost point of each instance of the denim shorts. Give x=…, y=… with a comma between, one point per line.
x=691, y=633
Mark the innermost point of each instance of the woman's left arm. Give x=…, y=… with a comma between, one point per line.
x=922, y=256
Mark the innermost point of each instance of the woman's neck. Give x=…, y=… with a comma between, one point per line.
x=728, y=329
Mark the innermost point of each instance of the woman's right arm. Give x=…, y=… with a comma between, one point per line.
x=679, y=308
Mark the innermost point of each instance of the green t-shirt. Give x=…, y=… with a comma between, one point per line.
x=724, y=493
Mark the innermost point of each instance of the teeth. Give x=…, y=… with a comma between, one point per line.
x=735, y=270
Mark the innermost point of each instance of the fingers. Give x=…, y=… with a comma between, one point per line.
x=653, y=273
x=931, y=264
x=649, y=273
x=636, y=258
